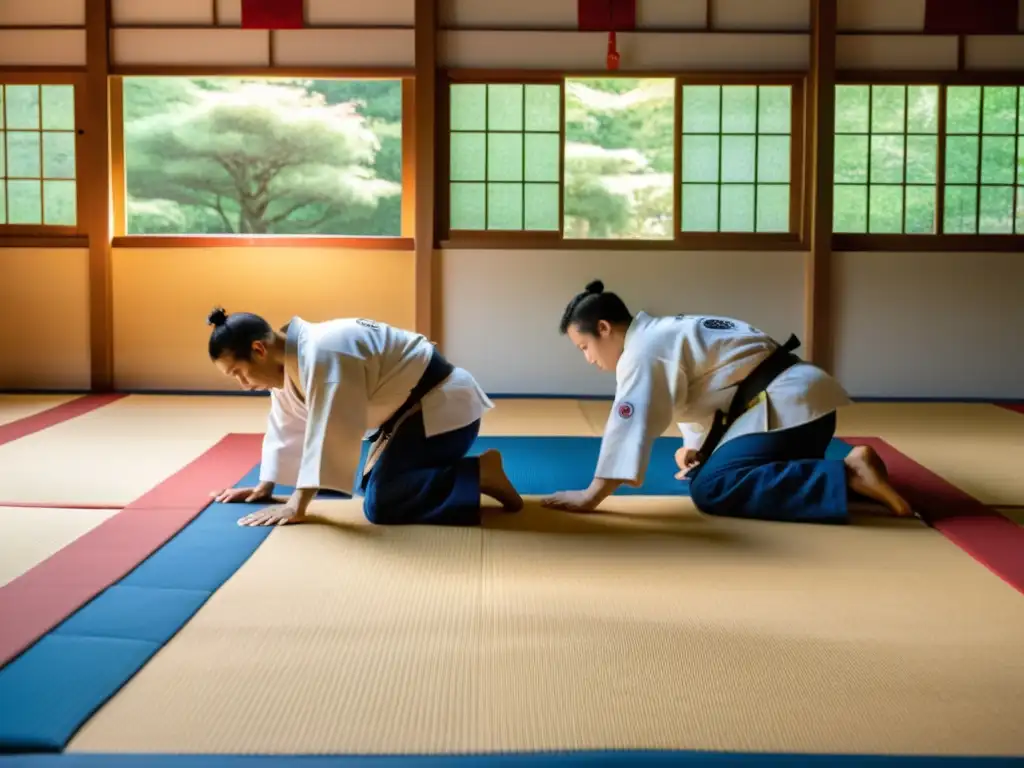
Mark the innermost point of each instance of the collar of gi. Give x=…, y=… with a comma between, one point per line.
x=640, y=319
x=291, y=353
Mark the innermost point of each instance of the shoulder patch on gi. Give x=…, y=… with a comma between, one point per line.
x=625, y=410
x=368, y=323
x=715, y=324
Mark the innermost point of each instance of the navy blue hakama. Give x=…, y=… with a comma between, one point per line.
x=421, y=480
x=781, y=475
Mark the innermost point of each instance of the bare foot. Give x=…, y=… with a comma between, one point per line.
x=495, y=483
x=866, y=474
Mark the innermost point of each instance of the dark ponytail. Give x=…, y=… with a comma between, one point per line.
x=234, y=334
x=587, y=309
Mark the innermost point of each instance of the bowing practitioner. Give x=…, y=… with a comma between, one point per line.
x=756, y=420
x=334, y=383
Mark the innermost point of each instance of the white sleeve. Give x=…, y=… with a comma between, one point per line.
x=641, y=412
x=696, y=432
x=282, y=443
x=333, y=443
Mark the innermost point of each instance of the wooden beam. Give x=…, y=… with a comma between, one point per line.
x=409, y=160
x=820, y=142
x=936, y=243
x=37, y=241
x=427, y=321
x=305, y=73
x=265, y=241
x=118, y=184
x=94, y=175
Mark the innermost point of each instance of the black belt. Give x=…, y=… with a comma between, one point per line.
x=748, y=390
x=438, y=369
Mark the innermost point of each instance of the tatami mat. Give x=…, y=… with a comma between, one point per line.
x=975, y=446
x=648, y=626
x=540, y=418
x=15, y=407
x=30, y=535
x=117, y=453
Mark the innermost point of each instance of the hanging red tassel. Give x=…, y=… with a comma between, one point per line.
x=613, y=53
x=607, y=15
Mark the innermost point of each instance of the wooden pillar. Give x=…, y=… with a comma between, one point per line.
x=94, y=175
x=425, y=100
x=820, y=124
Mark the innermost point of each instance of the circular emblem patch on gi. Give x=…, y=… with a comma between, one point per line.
x=368, y=323
x=625, y=410
x=715, y=324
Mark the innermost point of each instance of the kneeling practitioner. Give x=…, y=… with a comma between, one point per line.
x=756, y=420
x=333, y=382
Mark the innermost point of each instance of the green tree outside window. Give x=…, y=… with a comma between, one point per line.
x=265, y=156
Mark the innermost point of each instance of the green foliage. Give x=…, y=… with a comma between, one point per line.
x=899, y=159
x=619, y=156
x=267, y=156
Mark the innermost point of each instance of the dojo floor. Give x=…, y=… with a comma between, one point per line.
x=647, y=626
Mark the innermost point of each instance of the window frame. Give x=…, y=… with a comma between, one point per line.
x=796, y=234
x=29, y=235
x=979, y=184
x=905, y=134
x=937, y=241
x=793, y=240
x=526, y=238
x=121, y=239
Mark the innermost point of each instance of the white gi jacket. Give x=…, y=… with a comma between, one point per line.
x=343, y=379
x=682, y=369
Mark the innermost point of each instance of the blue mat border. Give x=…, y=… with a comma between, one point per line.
x=600, y=759
x=539, y=465
x=106, y=642
x=524, y=458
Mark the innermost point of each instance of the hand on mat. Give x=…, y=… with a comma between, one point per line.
x=261, y=492
x=570, y=501
x=279, y=514
x=686, y=459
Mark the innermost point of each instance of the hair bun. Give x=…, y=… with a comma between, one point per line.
x=595, y=286
x=217, y=317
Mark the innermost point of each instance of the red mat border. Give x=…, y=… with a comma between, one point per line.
x=56, y=505
x=1015, y=407
x=51, y=417
x=992, y=539
x=40, y=599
